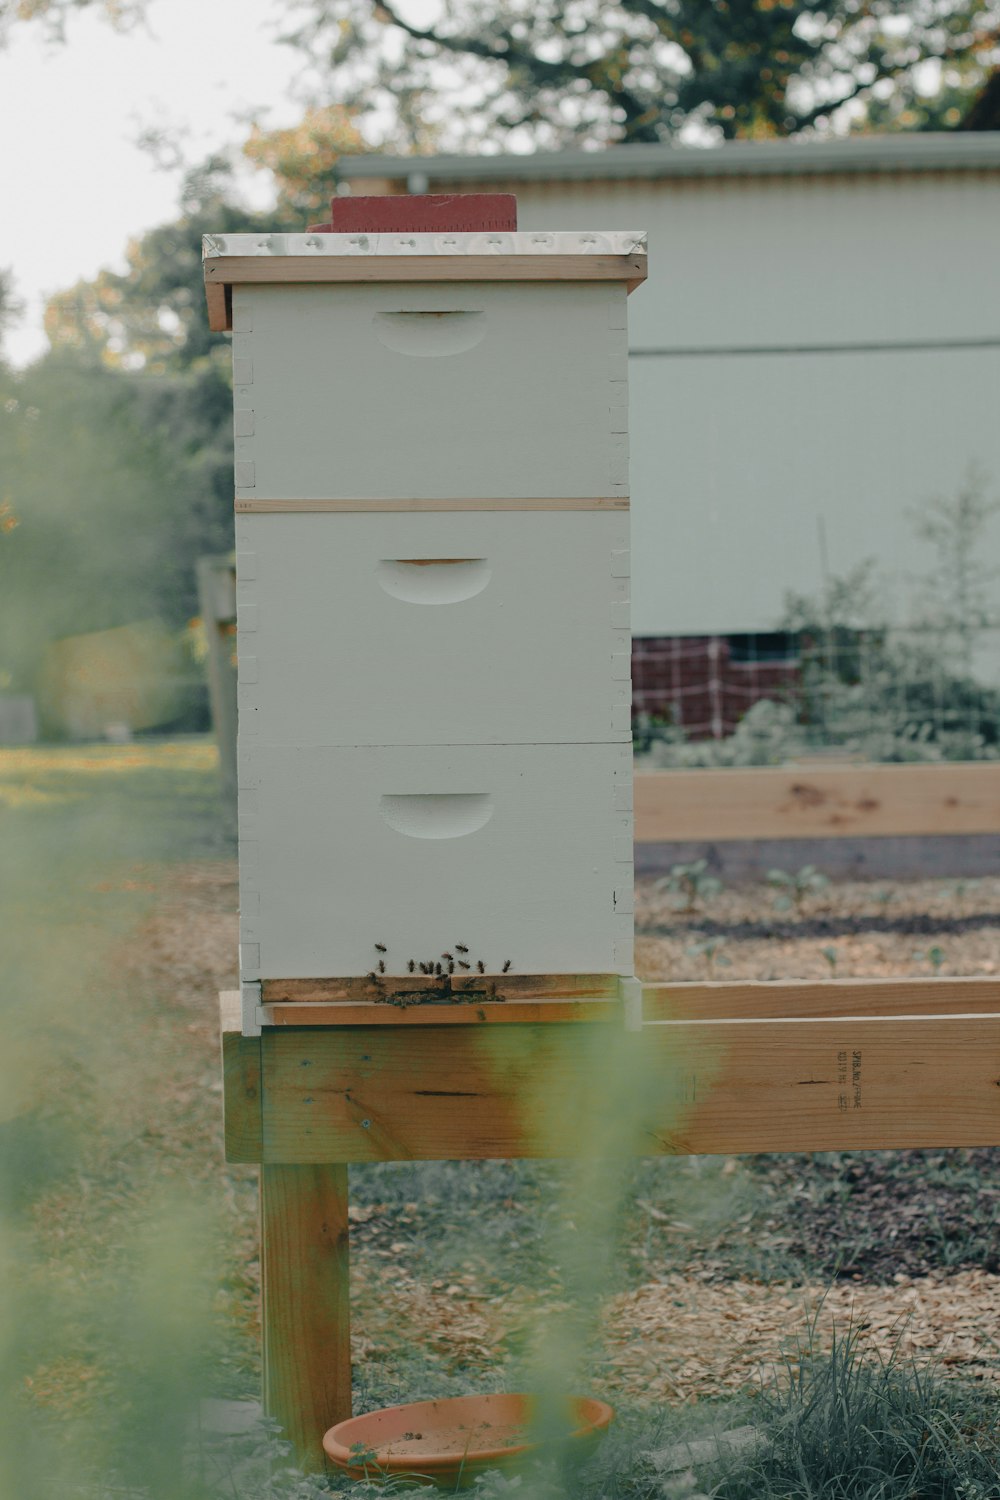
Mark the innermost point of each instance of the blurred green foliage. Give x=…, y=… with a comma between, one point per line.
x=116, y=447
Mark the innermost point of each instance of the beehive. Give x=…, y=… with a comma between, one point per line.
x=433, y=600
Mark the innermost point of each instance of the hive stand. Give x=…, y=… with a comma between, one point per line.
x=838, y=1065
x=435, y=769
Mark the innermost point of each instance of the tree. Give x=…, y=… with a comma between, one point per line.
x=116, y=448
x=53, y=14
x=549, y=73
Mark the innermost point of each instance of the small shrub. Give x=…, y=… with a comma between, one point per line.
x=690, y=885
x=841, y=1424
x=793, y=888
x=934, y=956
x=710, y=950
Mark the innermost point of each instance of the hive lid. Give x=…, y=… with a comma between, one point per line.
x=492, y=255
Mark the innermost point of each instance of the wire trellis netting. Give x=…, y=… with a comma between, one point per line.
x=919, y=693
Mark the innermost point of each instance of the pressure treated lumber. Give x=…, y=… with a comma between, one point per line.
x=795, y=999
x=822, y=802
x=415, y=1000
x=242, y=1094
x=494, y=987
x=305, y=1303
x=386, y=1093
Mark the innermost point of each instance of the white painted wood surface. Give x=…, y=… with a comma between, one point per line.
x=440, y=391
x=482, y=244
x=753, y=475
x=462, y=628
x=434, y=705
x=521, y=853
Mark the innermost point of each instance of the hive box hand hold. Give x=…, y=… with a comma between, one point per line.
x=432, y=601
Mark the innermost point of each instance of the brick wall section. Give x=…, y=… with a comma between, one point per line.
x=694, y=682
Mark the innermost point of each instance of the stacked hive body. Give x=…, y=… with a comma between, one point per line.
x=433, y=601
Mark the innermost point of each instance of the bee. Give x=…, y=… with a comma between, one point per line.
x=438, y=969
x=424, y=969
x=451, y=966
x=381, y=965
x=461, y=948
x=506, y=966
x=381, y=948
x=372, y=977
x=462, y=965
x=411, y=966
x=449, y=956
x=480, y=966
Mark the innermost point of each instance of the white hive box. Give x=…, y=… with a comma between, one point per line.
x=523, y=854
x=460, y=628
x=433, y=599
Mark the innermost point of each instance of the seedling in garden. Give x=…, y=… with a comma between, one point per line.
x=934, y=956
x=690, y=885
x=793, y=887
x=710, y=950
x=959, y=891
x=832, y=956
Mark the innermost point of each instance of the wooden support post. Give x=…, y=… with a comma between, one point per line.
x=305, y=1302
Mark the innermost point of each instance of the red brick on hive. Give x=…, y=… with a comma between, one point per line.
x=420, y=213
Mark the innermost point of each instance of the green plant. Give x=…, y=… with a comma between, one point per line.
x=690, y=885
x=710, y=950
x=960, y=890
x=934, y=956
x=831, y=956
x=793, y=887
x=846, y=1425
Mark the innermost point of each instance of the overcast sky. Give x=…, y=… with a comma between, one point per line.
x=75, y=185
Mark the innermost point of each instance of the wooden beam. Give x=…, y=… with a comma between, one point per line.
x=232, y=270
x=305, y=1303
x=429, y=1013
x=794, y=999
x=434, y=503
x=220, y=309
x=241, y=1083
x=829, y=802
x=378, y=1094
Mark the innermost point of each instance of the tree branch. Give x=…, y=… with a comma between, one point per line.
x=639, y=115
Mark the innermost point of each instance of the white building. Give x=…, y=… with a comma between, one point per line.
x=816, y=352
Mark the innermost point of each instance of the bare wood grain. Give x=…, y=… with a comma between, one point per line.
x=452, y=1000
x=417, y=1013
x=231, y=270
x=370, y=1094
x=496, y=503
x=828, y=802
x=241, y=1085
x=305, y=1303
x=476, y=986
x=220, y=311
x=792, y=999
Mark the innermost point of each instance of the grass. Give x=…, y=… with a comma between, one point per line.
x=128, y=1248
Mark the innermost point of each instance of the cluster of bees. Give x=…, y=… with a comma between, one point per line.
x=442, y=969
